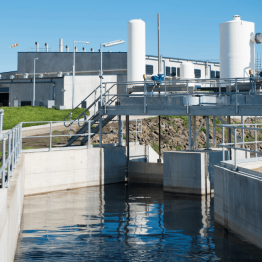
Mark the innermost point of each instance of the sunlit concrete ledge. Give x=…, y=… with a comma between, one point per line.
x=237, y=202
x=11, y=207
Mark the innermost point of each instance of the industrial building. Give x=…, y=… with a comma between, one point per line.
x=53, y=72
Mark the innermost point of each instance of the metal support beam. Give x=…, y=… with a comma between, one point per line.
x=159, y=139
x=243, y=140
x=214, y=132
x=189, y=133
x=195, y=137
x=100, y=131
x=119, y=131
x=207, y=132
x=127, y=139
x=229, y=136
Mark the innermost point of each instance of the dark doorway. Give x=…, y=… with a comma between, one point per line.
x=4, y=99
x=25, y=103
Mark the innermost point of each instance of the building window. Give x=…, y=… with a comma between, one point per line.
x=197, y=73
x=178, y=72
x=167, y=71
x=149, y=70
x=173, y=71
x=213, y=74
x=217, y=74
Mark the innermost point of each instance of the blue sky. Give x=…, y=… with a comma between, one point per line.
x=189, y=29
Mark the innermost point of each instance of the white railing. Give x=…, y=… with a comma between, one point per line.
x=240, y=146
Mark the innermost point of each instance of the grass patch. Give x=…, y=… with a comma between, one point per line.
x=124, y=136
x=15, y=115
x=178, y=148
x=55, y=131
x=155, y=146
x=29, y=147
x=56, y=139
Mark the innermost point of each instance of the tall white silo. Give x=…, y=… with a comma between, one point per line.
x=237, y=51
x=136, y=49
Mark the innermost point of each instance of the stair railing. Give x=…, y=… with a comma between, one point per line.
x=70, y=114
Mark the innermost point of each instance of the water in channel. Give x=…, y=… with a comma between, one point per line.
x=121, y=222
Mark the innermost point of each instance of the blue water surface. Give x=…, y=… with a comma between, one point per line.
x=121, y=222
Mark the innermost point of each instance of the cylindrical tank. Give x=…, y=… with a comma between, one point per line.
x=136, y=49
x=187, y=70
x=237, y=51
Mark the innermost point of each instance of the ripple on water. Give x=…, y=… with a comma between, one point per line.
x=125, y=223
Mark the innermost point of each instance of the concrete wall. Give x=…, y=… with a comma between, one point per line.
x=11, y=207
x=84, y=85
x=63, y=61
x=190, y=172
x=143, y=172
x=141, y=153
x=237, y=203
x=67, y=169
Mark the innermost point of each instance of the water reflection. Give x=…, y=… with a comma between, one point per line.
x=125, y=223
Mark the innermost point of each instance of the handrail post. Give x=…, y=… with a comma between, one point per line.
x=16, y=142
x=189, y=133
x=235, y=145
x=236, y=97
x=89, y=135
x=1, y=122
x=95, y=103
x=223, y=142
x=50, y=146
x=13, y=151
x=256, y=140
x=214, y=132
x=136, y=130
x=3, y=162
x=9, y=160
x=119, y=131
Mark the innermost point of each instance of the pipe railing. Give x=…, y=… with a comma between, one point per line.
x=235, y=145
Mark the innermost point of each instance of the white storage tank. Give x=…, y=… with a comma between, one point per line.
x=136, y=49
x=237, y=51
x=187, y=70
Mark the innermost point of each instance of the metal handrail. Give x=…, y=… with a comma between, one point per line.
x=80, y=103
x=235, y=144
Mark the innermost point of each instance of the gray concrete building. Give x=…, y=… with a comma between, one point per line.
x=53, y=73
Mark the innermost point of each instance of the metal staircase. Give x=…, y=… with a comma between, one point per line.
x=94, y=119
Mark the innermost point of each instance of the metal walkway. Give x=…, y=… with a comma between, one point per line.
x=191, y=97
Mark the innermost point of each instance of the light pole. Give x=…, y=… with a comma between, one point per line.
x=74, y=61
x=117, y=42
x=34, y=83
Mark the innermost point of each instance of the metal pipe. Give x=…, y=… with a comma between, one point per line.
x=89, y=132
x=194, y=117
x=50, y=146
x=235, y=152
x=159, y=139
x=3, y=162
x=207, y=133
x=100, y=129
x=255, y=139
x=1, y=122
x=119, y=130
x=158, y=30
x=214, y=132
x=9, y=160
x=46, y=45
x=242, y=131
x=127, y=139
x=33, y=104
x=189, y=133
x=229, y=136
x=223, y=141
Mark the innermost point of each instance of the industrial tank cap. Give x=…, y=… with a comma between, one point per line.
x=236, y=17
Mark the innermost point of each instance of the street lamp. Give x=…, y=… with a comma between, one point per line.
x=73, y=91
x=34, y=82
x=117, y=42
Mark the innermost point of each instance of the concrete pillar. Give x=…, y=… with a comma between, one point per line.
x=1, y=122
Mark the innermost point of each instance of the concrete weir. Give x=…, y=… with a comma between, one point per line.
x=191, y=172
x=237, y=201
x=42, y=172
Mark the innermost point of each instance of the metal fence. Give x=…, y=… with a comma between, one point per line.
x=13, y=139
x=240, y=145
